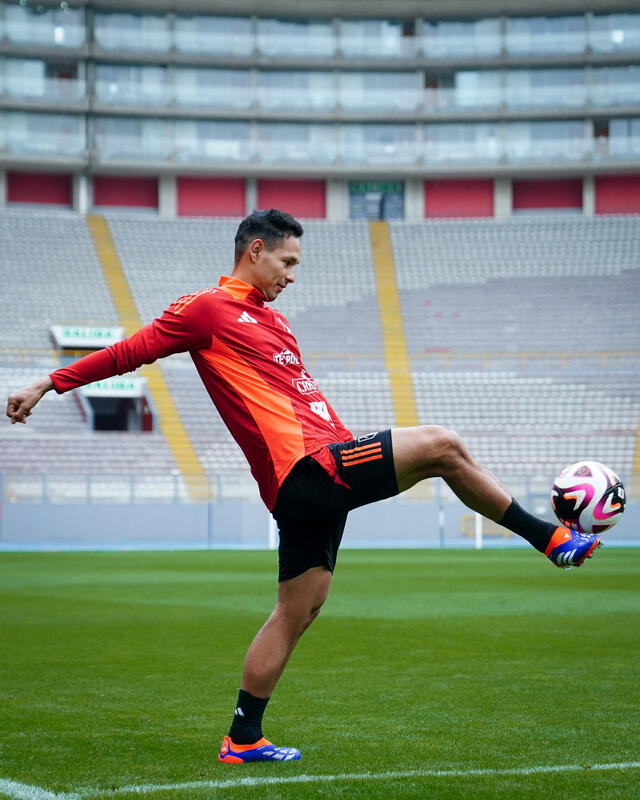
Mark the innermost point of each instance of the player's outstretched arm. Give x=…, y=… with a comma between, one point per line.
x=183, y=326
x=20, y=403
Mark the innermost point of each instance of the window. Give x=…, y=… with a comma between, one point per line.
x=393, y=91
x=539, y=35
x=551, y=141
x=470, y=89
x=544, y=88
x=289, y=90
x=462, y=142
x=213, y=88
x=26, y=77
x=215, y=35
x=611, y=33
x=132, y=138
x=462, y=38
x=139, y=32
x=205, y=140
x=374, y=38
x=51, y=28
x=52, y=134
x=123, y=84
x=612, y=86
x=380, y=144
x=284, y=141
x=285, y=39
x=624, y=138
x=59, y=28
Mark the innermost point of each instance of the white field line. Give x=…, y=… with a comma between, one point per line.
x=23, y=791
x=150, y=788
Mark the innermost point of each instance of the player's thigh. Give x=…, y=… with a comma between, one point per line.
x=424, y=451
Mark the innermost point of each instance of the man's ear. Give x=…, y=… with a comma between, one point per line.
x=255, y=248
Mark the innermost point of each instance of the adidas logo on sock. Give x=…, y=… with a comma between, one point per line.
x=246, y=317
x=239, y=712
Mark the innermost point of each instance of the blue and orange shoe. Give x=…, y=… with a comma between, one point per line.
x=262, y=750
x=569, y=548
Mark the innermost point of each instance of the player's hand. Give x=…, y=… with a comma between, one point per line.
x=20, y=403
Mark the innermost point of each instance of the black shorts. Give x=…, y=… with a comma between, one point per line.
x=321, y=489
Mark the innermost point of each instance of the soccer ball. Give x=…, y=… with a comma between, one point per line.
x=588, y=497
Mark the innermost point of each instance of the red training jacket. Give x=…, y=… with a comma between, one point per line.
x=250, y=364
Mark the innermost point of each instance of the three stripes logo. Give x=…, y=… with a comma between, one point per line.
x=362, y=454
x=566, y=558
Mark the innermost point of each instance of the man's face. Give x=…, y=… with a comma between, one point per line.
x=273, y=270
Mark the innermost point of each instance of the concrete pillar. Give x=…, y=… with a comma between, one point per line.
x=414, y=199
x=337, y=200
x=588, y=195
x=251, y=194
x=82, y=193
x=502, y=200
x=3, y=188
x=167, y=196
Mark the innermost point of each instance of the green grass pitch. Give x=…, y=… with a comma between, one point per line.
x=121, y=670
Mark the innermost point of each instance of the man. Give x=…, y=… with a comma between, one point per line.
x=310, y=470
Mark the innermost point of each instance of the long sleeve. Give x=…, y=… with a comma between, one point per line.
x=93, y=367
x=186, y=325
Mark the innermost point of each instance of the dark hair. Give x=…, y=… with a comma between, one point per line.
x=270, y=225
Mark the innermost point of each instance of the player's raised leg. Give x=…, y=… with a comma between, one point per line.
x=429, y=451
x=299, y=602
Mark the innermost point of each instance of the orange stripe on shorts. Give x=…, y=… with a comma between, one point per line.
x=348, y=455
x=362, y=460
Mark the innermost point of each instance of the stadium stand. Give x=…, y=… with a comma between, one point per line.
x=519, y=285
x=519, y=417
x=56, y=444
x=216, y=450
x=470, y=251
x=51, y=273
x=52, y=276
x=516, y=424
x=362, y=400
x=527, y=285
x=165, y=259
x=334, y=307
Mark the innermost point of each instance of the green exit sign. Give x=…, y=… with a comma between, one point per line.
x=116, y=387
x=86, y=336
x=376, y=187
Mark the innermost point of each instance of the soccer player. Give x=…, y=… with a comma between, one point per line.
x=310, y=469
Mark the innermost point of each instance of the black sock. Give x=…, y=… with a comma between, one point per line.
x=536, y=531
x=246, y=727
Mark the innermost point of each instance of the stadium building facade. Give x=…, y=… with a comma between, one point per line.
x=338, y=110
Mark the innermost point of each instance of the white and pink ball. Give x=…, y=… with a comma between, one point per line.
x=588, y=497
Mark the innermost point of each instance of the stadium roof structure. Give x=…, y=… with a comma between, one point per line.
x=372, y=9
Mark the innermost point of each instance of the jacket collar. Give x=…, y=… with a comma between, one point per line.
x=240, y=290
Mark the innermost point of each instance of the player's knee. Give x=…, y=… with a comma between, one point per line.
x=443, y=446
x=299, y=616
x=312, y=615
